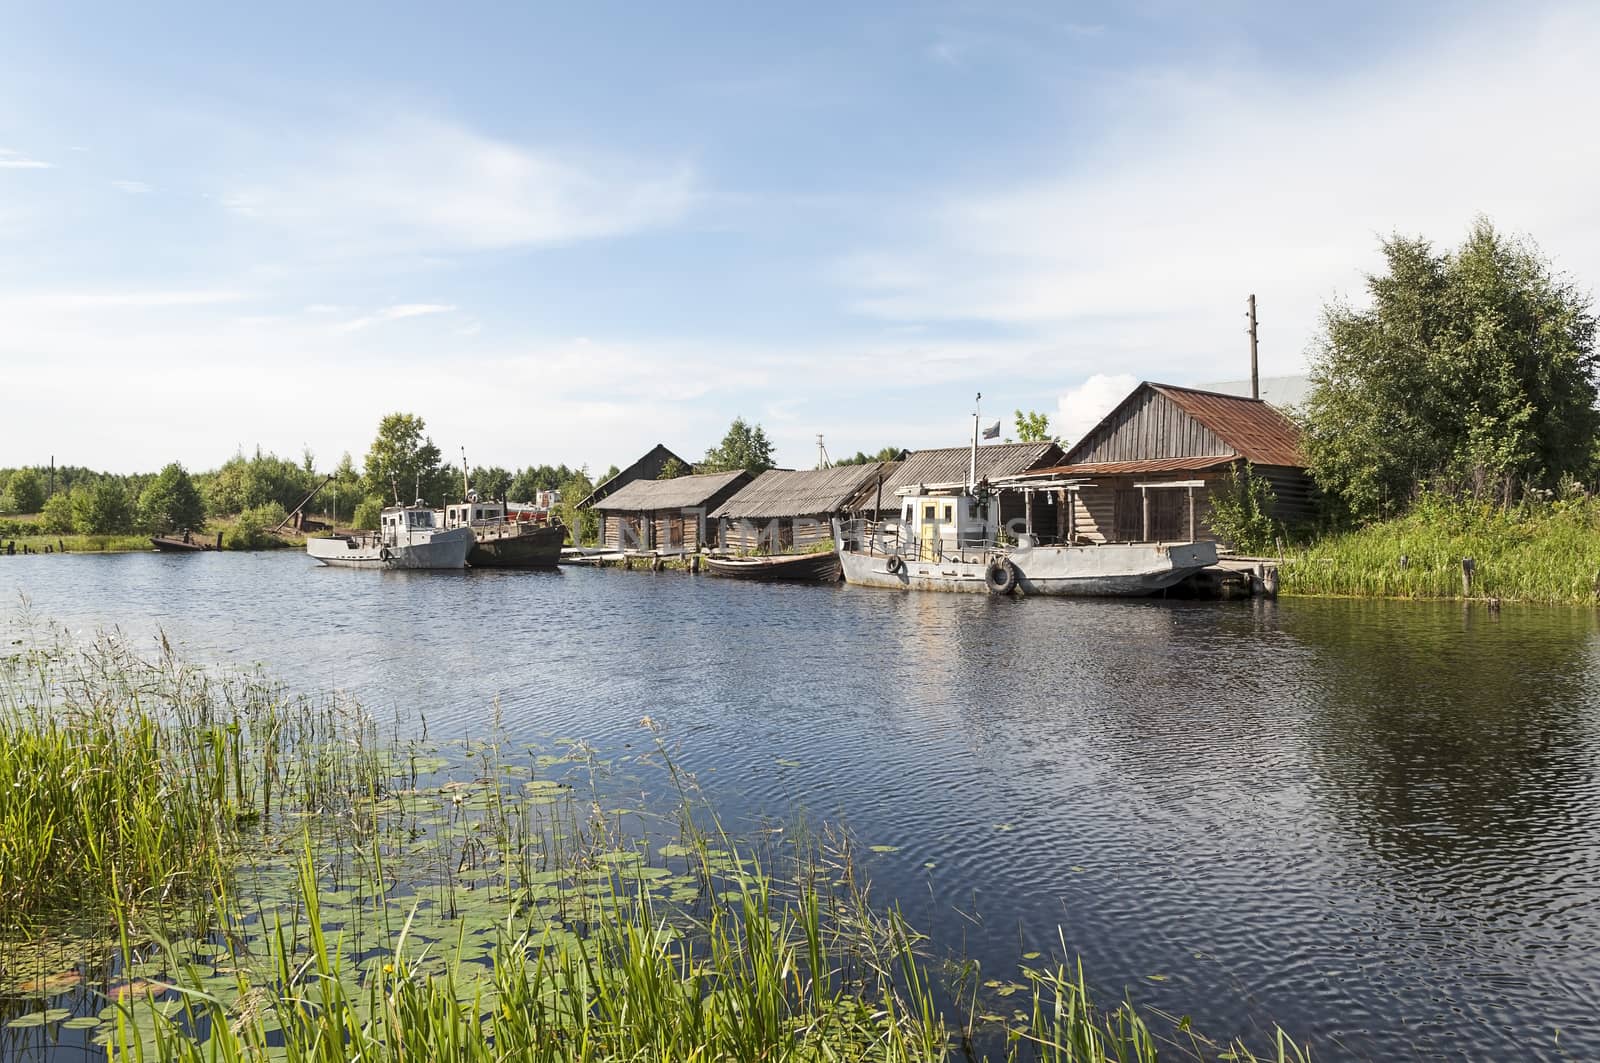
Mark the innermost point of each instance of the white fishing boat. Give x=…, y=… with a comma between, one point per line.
x=948, y=537
x=947, y=541
x=408, y=537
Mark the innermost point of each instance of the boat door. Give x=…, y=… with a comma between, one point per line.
x=928, y=529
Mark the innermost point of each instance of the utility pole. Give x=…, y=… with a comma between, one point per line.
x=822, y=454
x=1255, y=370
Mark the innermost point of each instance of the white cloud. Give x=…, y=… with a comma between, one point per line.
x=50, y=302
x=394, y=313
x=131, y=187
x=425, y=185
x=15, y=160
x=1230, y=183
x=1080, y=408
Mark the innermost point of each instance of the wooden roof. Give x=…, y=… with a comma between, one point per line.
x=948, y=465
x=1218, y=427
x=798, y=492
x=648, y=465
x=1133, y=468
x=681, y=492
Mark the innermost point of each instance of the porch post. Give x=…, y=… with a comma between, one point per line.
x=1144, y=506
x=1191, y=514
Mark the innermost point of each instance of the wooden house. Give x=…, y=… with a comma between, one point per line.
x=647, y=467
x=784, y=509
x=1148, y=470
x=665, y=516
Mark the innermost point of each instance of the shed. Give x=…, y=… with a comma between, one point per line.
x=1163, y=444
x=647, y=467
x=665, y=516
x=786, y=508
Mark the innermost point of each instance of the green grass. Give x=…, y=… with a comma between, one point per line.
x=81, y=544
x=1546, y=552
x=280, y=883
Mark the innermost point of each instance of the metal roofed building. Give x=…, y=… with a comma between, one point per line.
x=1155, y=460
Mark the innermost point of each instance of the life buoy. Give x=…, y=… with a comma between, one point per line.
x=894, y=565
x=385, y=555
x=1001, y=576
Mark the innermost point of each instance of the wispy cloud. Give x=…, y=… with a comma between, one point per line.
x=53, y=301
x=395, y=313
x=426, y=185
x=15, y=160
x=1226, y=182
x=131, y=187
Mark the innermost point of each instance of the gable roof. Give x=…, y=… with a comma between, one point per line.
x=797, y=492
x=1246, y=428
x=647, y=467
x=948, y=465
x=681, y=492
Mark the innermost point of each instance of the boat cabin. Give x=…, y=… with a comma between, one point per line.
x=474, y=512
x=397, y=520
x=943, y=523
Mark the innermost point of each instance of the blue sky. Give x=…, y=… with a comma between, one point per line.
x=566, y=233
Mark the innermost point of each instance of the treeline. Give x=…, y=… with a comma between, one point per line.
x=253, y=494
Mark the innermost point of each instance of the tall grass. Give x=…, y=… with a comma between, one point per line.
x=1538, y=552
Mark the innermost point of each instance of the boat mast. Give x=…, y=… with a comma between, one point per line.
x=972, y=469
x=466, y=483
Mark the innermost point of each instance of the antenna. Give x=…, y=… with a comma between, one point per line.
x=972, y=470
x=466, y=483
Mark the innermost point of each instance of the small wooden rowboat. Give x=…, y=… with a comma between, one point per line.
x=817, y=568
x=184, y=543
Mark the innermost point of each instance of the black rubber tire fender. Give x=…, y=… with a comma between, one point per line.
x=894, y=566
x=385, y=555
x=1001, y=576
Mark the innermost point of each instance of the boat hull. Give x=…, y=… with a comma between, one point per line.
x=811, y=568
x=440, y=550
x=1115, y=570
x=513, y=546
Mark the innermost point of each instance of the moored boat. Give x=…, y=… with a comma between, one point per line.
x=408, y=537
x=184, y=543
x=813, y=567
x=504, y=538
x=948, y=541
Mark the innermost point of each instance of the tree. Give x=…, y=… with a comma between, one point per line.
x=344, y=491
x=1241, y=510
x=55, y=518
x=1033, y=427
x=672, y=469
x=403, y=461
x=245, y=483
x=582, y=524
x=744, y=447
x=101, y=508
x=861, y=457
x=170, y=502
x=1471, y=371
x=492, y=482
x=24, y=493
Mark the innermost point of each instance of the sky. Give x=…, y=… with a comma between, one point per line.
x=564, y=233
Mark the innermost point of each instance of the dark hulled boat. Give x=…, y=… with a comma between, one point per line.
x=506, y=540
x=814, y=568
x=184, y=543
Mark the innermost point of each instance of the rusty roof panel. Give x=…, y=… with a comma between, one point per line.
x=1134, y=468
x=1256, y=430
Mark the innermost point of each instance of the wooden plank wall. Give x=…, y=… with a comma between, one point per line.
x=779, y=534
x=1153, y=427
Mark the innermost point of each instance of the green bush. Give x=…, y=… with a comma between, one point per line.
x=56, y=516
x=23, y=493
x=253, y=529
x=367, y=512
x=1241, y=511
x=101, y=508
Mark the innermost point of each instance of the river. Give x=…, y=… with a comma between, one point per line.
x=1374, y=823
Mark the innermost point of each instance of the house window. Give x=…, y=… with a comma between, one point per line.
x=929, y=514
x=947, y=514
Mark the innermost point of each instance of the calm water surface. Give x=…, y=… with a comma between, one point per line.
x=1377, y=824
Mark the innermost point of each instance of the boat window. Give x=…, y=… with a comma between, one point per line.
x=947, y=514
x=929, y=512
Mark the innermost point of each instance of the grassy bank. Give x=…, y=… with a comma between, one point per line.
x=1548, y=552
x=236, y=874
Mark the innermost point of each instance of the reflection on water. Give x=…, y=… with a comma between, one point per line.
x=1375, y=823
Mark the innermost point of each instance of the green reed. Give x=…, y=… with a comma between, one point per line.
x=1539, y=552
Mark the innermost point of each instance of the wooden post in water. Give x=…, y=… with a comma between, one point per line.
x=1468, y=570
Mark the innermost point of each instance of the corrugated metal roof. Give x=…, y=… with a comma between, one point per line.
x=797, y=492
x=1129, y=468
x=949, y=465
x=1254, y=428
x=682, y=492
